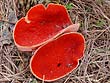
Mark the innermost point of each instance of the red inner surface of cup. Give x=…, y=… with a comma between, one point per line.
x=58, y=58
x=41, y=24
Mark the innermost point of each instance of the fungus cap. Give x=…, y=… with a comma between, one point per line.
x=41, y=25
x=57, y=58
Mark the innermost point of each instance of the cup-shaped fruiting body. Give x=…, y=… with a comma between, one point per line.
x=41, y=25
x=57, y=58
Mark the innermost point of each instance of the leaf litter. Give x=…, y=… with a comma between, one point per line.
x=94, y=16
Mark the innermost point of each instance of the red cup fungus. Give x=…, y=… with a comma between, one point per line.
x=57, y=58
x=41, y=25
x=50, y=31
